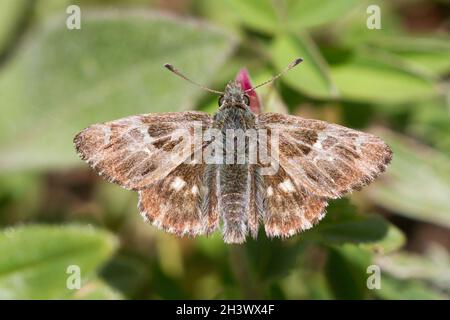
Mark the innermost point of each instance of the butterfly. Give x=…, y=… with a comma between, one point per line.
x=315, y=162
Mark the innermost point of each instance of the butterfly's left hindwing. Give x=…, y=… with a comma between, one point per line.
x=181, y=203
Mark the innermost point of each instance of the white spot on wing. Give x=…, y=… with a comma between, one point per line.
x=287, y=186
x=306, y=225
x=194, y=189
x=106, y=134
x=359, y=141
x=269, y=191
x=322, y=215
x=321, y=137
x=177, y=184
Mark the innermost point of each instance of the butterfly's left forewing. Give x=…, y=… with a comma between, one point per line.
x=137, y=151
x=152, y=153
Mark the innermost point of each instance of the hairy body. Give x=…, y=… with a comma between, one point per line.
x=234, y=180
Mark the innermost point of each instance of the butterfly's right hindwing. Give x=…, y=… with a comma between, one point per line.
x=288, y=209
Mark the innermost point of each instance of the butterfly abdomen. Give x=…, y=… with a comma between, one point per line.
x=233, y=203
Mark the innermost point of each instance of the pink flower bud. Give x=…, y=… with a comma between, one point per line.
x=244, y=79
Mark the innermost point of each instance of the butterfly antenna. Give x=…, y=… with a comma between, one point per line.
x=289, y=67
x=178, y=73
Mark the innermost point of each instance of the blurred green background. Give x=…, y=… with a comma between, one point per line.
x=55, y=212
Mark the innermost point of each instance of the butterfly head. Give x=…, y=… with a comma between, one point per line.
x=234, y=95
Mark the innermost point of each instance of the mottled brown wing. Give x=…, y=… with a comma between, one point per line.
x=288, y=209
x=325, y=160
x=177, y=203
x=139, y=150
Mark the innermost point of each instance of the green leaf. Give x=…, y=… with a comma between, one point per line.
x=272, y=102
x=432, y=267
x=11, y=12
x=257, y=14
x=118, y=207
x=212, y=246
x=128, y=273
x=430, y=53
x=394, y=289
x=20, y=196
x=270, y=16
x=270, y=259
x=430, y=121
x=359, y=229
x=46, y=8
x=96, y=290
x=311, y=76
x=342, y=224
x=393, y=240
x=372, y=79
x=416, y=183
x=346, y=271
x=220, y=13
x=312, y=13
x=35, y=259
x=64, y=80
x=352, y=31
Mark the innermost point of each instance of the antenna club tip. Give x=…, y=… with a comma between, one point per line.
x=297, y=61
x=168, y=66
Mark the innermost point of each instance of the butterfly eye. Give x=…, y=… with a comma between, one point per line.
x=247, y=100
x=221, y=100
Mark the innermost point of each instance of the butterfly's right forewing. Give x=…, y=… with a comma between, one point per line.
x=316, y=161
x=325, y=159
